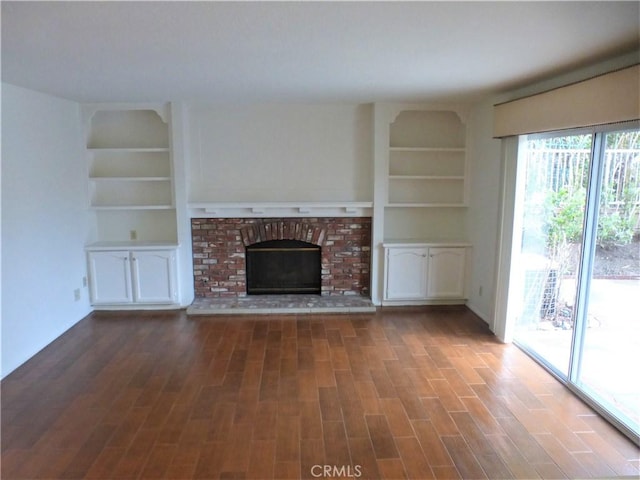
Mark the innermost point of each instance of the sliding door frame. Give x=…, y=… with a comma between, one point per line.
x=587, y=255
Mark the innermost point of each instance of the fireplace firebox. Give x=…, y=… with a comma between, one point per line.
x=283, y=266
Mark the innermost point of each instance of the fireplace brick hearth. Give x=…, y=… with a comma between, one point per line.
x=219, y=251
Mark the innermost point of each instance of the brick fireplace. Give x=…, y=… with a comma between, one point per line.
x=219, y=251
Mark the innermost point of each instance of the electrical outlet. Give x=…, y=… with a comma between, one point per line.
x=133, y=235
x=480, y=291
x=76, y=294
x=84, y=281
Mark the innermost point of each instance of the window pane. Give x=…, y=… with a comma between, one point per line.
x=611, y=345
x=553, y=203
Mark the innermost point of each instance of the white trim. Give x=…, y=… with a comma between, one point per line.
x=415, y=303
x=425, y=243
x=279, y=209
x=133, y=245
x=137, y=306
x=162, y=109
x=503, y=323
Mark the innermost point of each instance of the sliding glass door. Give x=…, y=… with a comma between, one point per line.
x=552, y=189
x=577, y=265
x=608, y=342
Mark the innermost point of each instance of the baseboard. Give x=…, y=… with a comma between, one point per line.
x=137, y=306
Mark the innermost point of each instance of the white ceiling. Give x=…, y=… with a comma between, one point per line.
x=304, y=51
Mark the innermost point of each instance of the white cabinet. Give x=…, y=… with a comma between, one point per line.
x=406, y=273
x=446, y=272
x=153, y=275
x=110, y=277
x=420, y=274
x=136, y=277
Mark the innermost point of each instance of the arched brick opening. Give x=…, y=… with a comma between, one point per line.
x=282, y=230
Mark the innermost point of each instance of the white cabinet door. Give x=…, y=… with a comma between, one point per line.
x=153, y=276
x=446, y=272
x=406, y=274
x=110, y=277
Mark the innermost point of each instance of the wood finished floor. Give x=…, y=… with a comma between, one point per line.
x=418, y=394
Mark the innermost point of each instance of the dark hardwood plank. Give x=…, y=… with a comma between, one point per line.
x=397, y=418
x=403, y=393
x=381, y=437
x=330, y=404
x=610, y=455
x=512, y=457
x=439, y=416
x=262, y=459
x=336, y=446
x=568, y=463
x=310, y=420
x=362, y=455
x=392, y=468
x=477, y=441
x=464, y=459
x=431, y=443
x=311, y=455
x=446, y=472
x=415, y=463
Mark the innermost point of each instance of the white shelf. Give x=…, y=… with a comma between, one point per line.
x=425, y=205
x=130, y=179
x=428, y=149
x=132, y=207
x=427, y=177
x=425, y=242
x=128, y=150
x=130, y=245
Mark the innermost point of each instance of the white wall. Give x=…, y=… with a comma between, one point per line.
x=281, y=152
x=482, y=221
x=44, y=222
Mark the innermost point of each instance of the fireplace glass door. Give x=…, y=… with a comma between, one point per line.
x=283, y=267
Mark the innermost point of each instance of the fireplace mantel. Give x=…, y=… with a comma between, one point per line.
x=280, y=209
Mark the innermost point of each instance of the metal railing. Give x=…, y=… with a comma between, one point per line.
x=554, y=169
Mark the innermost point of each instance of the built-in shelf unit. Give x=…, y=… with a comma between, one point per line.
x=420, y=204
x=131, y=255
x=130, y=173
x=426, y=177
